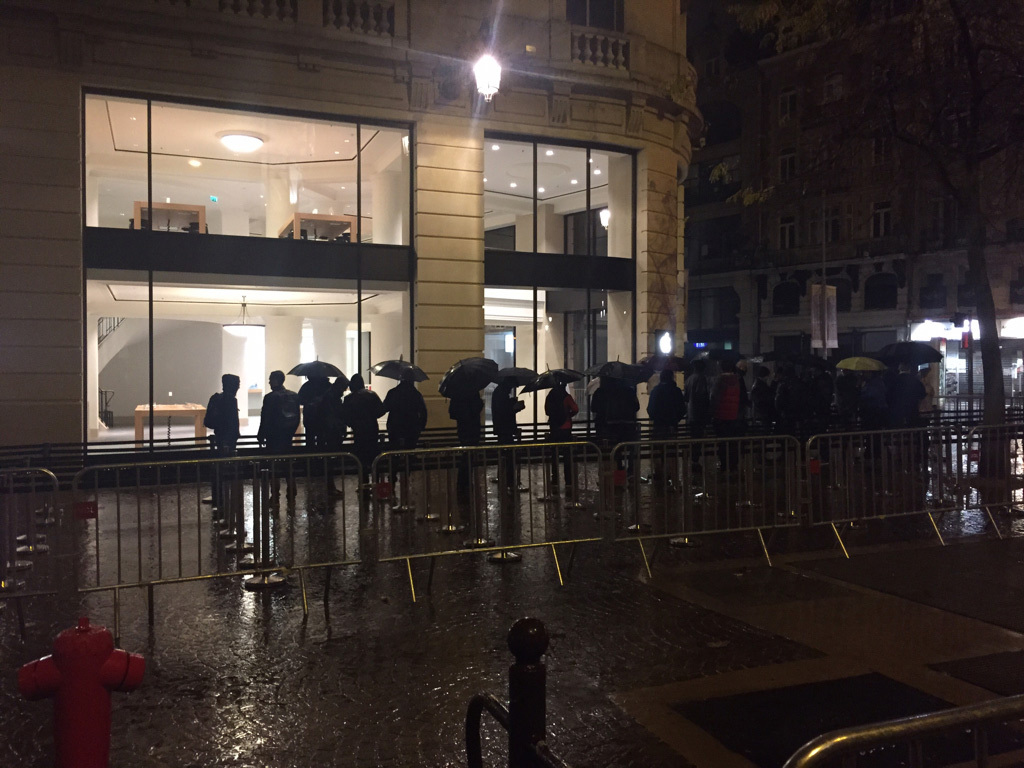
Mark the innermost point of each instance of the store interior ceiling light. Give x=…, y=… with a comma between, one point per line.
x=242, y=327
x=243, y=143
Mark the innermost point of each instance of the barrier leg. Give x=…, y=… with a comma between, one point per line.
x=840, y=540
x=430, y=576
x=993, y=521
x=558, y=568
x=764, y=547
x=20, y=609
x=412, y=584
x=643, y=553
x=149, y=604
x=305, y=600
x=936, y=527
x=261, y=525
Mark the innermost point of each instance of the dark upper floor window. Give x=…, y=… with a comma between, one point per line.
x=724, y=122
x=881, y=219
x=833, y=88
x=787, y=105
x=932, y=294
x=603, y=14
x=881, y=291
x=787, y=232
x=881, y=150
x=787, y=164
x=786, y=299
x=844, y=293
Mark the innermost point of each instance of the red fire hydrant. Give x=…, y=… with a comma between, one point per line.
x=80, y=675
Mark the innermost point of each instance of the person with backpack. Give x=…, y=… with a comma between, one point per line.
x=560, y=407
x=279, y=418
x=222, y=417
x=666, y=406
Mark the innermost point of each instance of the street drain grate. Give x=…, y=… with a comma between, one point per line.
x=766, y=727
x=1001, y=673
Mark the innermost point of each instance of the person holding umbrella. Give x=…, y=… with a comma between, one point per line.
x=504, y=407
x=560, y=407
x=310, y=394
x=462, y=384
x=361, y=410
x=407, y=412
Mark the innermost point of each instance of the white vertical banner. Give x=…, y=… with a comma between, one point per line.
x=824, y=325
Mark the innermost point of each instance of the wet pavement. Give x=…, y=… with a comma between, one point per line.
x=371, y=678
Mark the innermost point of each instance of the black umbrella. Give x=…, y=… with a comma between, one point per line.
x=393, y=369
x=554, y=378
x=316, y=369
x=665, y=363
x=615, y=369
x=520, y=376
x=467, y=377
x=910, y=352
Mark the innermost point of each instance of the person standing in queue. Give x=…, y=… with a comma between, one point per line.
x=504, y=407
x=222, y=417
x=465, y=411
x=361, y=410
x=279, y=418
x=310, y=394
x=407, y=417
x=560, y=407
x=666, y=406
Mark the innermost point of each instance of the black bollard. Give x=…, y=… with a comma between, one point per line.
x=527, y=692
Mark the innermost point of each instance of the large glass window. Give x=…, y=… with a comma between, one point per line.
x=574, y=200
x=238, y=172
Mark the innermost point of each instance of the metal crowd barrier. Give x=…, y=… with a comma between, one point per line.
x=992, y=469
x=171, y=522
x=967, y=734
x=676, y=489
x=29, y=532
x=856, y=476
x=496, y=499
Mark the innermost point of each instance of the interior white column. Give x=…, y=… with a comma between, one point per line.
x=550, y=230
x=278, y=199
x=92, y=366
x=92, y=203
x=391, y=204
x=282, y=337
x=330, y=339
x=620, y=206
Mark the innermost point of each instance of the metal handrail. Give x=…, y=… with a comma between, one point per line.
x=475, y=710
x=827, y=747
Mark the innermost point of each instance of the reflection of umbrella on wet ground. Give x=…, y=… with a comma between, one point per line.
x=393, y=369
x=616, y=369
x=467, y=377
x=521, y=376
x=861, y=364
x=316, y=369
x=665, y=362
x=554, y=378
x=910, y=352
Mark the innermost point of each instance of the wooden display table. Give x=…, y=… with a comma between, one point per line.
x=320, y=226
x=192, y=410
x=171, y=217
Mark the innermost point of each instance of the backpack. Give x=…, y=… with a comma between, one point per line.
x=289, y=413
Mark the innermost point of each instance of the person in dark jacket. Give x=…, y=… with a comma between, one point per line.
x=222, y=417
x=698, y=400
x=407, y=414
x=560, y=407
x=361, y=410
x=465, y=412
x=314, y=388
x=279, y=418
x=762, y=399
x=726, y=408
x=666, y=406
x=504, y=407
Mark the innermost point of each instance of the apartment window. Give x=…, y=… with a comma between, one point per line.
x=833, y=224
x=881, y=150
x=602, y=14
x=787, y=105
x=787, y=232
x=932, y=294
x=881, y=219
x=713, y=67
x=786, y=299
x=881, y=291
x=833, y=89
x=787, y=164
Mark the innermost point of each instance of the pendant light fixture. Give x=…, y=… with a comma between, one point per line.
x=243, y=328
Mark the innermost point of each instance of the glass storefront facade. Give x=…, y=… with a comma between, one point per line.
x=165, y=290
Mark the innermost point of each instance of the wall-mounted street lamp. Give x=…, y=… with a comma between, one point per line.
x=487, y=72
x=605, y=216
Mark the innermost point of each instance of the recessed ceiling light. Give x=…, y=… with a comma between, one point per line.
x=597, y=171
x=337, y=152
x=485, y=181
x=540, y=189
x=195, y=163
x=574, y=181
x=261, y=197
x=590, y=160
x=347, y=141
x=316, y=210
x=241, y=142
x=167, y=200
x=513, y=185
x=342, y=187
x=132, y=119
x=550, y=152
x=495, y=147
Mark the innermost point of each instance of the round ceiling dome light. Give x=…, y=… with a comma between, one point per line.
x=243, y=143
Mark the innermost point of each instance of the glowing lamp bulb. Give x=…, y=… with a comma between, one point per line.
x=487, y=72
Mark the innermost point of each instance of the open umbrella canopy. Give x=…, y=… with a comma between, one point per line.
x=394, y=369
x=910, y=352
x=861, y=364
x=615, y=369
x=553, y=378
x=316, y=369
x=521, y=376
x=661, y=362
x=467, y=377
